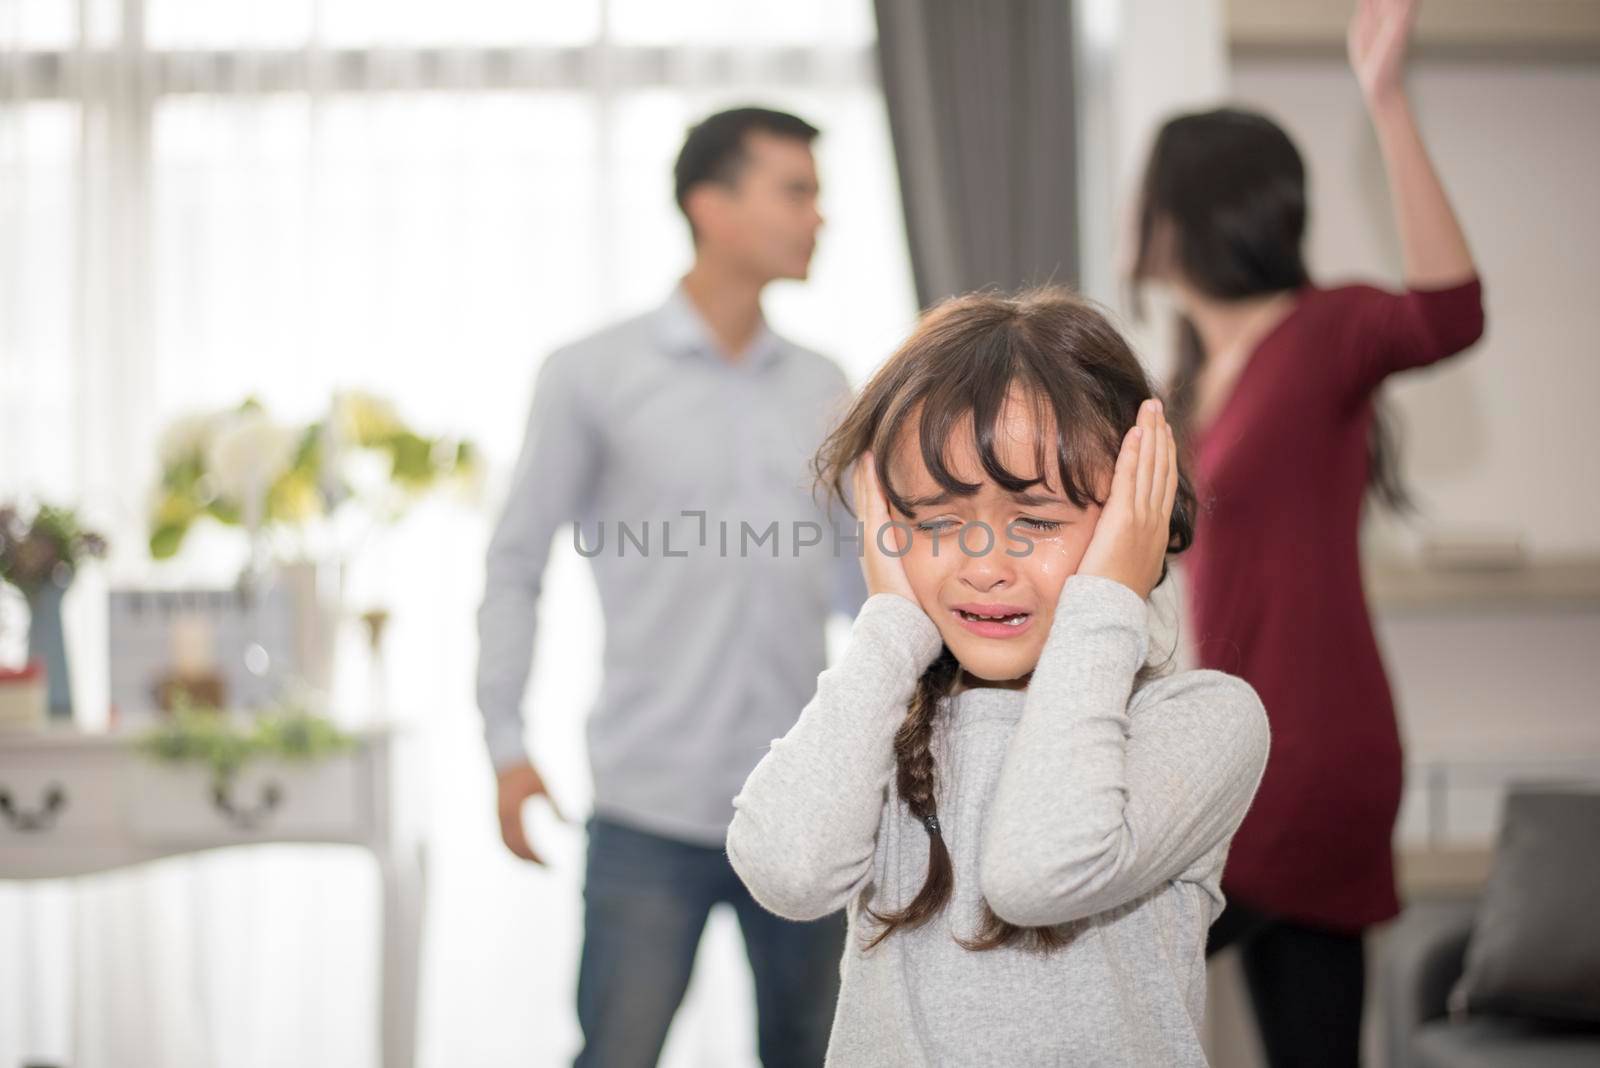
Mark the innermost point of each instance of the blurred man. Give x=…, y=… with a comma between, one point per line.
x=695, y=422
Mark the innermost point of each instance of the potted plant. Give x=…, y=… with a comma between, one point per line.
x=40, y=554
x=309, y=497
x=224, y=745
x=299, y=490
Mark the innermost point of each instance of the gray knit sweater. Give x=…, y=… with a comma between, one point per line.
x=1079, y=802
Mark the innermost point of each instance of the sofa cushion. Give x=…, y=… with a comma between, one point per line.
x=1535, y=945
x=1504, y=1043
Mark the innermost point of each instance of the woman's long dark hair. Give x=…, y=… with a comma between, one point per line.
x=1224, y=205
x=954, y=375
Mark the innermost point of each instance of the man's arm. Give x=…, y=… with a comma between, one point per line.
x=551, y=485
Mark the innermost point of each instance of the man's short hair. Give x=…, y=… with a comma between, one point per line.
x=714, y=151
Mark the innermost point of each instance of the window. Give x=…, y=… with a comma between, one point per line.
x=203, y=200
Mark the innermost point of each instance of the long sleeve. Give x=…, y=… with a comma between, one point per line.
x=805, y=824
x=1102, y=799
x=1393, y=332
x=554, y=475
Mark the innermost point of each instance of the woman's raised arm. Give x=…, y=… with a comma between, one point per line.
x=1431, y=240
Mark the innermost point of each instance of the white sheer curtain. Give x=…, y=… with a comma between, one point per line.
x=202, y=200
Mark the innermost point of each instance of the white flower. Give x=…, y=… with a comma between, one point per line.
x=362, y=419
x=365, y=471
x=248, y=454
x=185, y=436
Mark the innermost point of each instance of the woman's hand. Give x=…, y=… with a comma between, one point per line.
x=1130, y=540
x=1377, y=40
x=883, y=571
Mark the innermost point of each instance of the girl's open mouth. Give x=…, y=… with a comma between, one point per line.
x=995, y=624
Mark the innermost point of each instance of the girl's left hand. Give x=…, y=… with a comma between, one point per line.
x=1377, y=40
x=1130, y=540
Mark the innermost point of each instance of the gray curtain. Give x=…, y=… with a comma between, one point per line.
x=980, y=98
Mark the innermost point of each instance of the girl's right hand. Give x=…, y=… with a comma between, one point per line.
x=883, y=571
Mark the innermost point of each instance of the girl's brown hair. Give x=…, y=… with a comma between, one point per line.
x=962, y=362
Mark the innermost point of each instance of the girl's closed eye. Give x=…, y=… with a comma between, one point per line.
x=939, y=526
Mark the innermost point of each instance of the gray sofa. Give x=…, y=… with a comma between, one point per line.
x=1421, y=960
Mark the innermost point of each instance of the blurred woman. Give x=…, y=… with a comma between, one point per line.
x=1274, y=395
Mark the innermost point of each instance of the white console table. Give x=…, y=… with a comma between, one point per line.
x=73, y=803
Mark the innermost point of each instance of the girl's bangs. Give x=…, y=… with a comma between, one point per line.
x=976, y=405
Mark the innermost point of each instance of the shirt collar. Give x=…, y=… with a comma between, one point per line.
x=684, y=333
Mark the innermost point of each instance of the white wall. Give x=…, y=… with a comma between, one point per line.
x=1138, y=61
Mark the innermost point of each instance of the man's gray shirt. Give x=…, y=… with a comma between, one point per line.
x=714, y=623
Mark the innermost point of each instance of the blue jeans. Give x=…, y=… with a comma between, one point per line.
x=646, y=899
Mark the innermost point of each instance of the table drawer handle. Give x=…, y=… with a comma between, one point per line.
x=43, y=818
x=247, y=819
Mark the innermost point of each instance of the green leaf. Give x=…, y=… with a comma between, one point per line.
x=166, y=539
x=208, y=737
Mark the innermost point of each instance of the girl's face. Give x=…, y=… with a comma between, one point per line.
x=1014, y=569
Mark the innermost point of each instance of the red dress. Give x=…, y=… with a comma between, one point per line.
x=1275, y=595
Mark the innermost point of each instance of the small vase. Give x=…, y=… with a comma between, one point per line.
x=315, y=591
x=47, y=643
